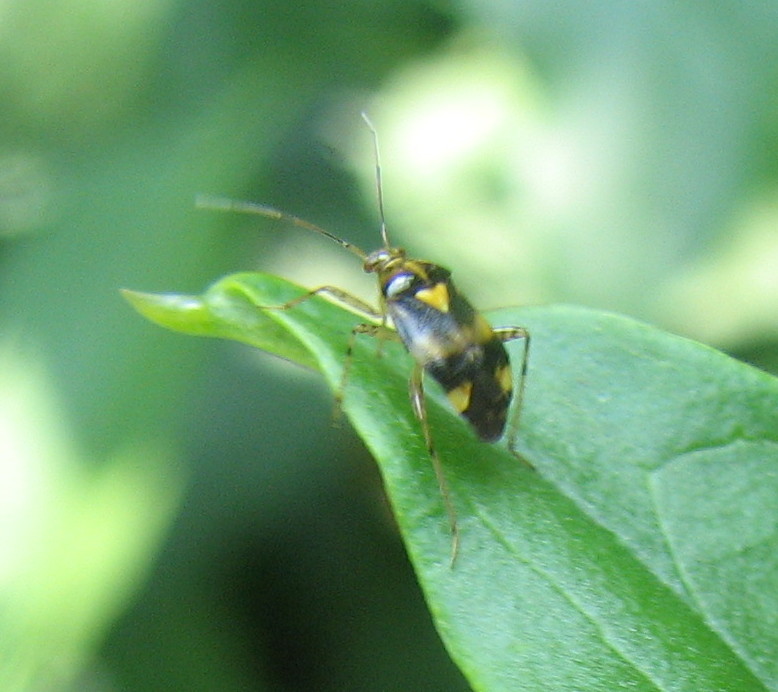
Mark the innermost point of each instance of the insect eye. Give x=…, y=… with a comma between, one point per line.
x=397, y=284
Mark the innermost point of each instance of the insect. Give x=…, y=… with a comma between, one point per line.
x=419, y=305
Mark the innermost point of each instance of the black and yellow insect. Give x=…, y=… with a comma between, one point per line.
x=448, y=339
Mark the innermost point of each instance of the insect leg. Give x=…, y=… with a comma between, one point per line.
x=509, y=334
x=338, y=295
x=416, y=387
x=379, y=331
x=362, y=308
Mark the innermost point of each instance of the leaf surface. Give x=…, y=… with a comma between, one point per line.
x=640, y=554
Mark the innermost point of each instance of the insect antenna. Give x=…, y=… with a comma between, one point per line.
x=226, y=204
x=378, y=179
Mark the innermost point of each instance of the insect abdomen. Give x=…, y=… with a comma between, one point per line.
x=478, y=383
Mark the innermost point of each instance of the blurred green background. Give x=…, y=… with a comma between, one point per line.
x=179, y=514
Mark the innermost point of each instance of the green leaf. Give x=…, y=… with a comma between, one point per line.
x=641, y=552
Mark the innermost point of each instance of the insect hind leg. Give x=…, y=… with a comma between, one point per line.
x=418, y=403
x=506, y=334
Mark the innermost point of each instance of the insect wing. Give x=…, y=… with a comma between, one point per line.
x=454, y=344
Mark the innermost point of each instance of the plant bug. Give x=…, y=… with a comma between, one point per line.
x=448, y=339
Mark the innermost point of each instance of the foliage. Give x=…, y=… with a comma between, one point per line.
x=641, y=543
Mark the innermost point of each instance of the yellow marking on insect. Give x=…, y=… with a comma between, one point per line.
x=504, y=376
x=436, y=297
x=415, y=267
x=482, y=330
x=460, y=396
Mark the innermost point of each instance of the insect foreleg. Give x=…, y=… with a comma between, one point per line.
x=338, y=295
